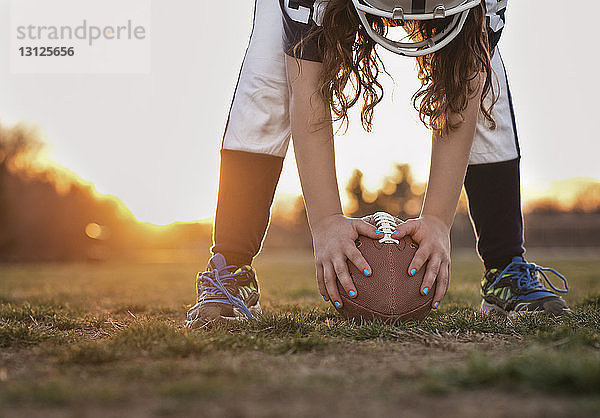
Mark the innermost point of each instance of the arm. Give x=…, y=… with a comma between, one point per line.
x=312, y=134
x=449, y=160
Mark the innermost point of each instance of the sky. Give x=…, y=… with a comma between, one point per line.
x=153, y=140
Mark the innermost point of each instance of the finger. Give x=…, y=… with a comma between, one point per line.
x=321, y=282
x=443, y=281
x=331, y=285
x=366, y=229
x=409, y=227
x=341, y=271
x=419, y=259
x=431, y=273
x=359, y=261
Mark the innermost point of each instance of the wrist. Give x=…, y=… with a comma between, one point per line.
x=443, y=222
x=316, y=221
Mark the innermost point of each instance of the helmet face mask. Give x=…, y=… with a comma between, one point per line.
x=404, y=10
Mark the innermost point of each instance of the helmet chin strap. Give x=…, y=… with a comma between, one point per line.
x=411, y=49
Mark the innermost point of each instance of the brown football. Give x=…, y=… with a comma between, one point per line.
x=389, y=293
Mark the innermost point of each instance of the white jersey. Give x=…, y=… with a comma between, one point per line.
x=495, y=11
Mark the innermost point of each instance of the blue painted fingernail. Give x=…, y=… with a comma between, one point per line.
x=325, y=298
x=395, y=232
x=413, y=271
x=352, y=293
x=435, y=305
x=367, y=272
x=337, y=304
x=426, y=290
x=377, y=231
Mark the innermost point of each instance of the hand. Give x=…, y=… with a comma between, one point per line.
x=333, y=239
x=433, y=237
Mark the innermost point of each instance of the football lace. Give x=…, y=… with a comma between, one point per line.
x=387, y=224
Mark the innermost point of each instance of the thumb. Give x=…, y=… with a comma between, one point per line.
x=409, y=227
x=366, y=229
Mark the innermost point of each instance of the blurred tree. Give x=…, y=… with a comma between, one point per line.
x=547, y=222
x=16, y=144
x=399, y=195
x=546, y=205
x=588, y=199
x=46, y=212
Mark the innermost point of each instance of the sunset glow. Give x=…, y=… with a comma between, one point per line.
x=563, y=194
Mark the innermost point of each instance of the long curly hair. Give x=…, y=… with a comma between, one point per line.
x=350, y=58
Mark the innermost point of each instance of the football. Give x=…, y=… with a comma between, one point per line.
x=389, y=293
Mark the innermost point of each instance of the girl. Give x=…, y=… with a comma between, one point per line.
x=292, y=87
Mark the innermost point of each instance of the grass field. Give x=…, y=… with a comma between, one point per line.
x=107, y=339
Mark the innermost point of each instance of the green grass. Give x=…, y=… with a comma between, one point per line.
x=97, y=339
x=535, y=368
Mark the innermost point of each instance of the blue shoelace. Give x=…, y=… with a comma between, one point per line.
x=527, y=279
x=215, y=289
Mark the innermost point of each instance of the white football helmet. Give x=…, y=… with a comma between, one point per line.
x=416, y=10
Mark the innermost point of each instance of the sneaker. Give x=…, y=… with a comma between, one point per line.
x=517, y=288
x=224, y=292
